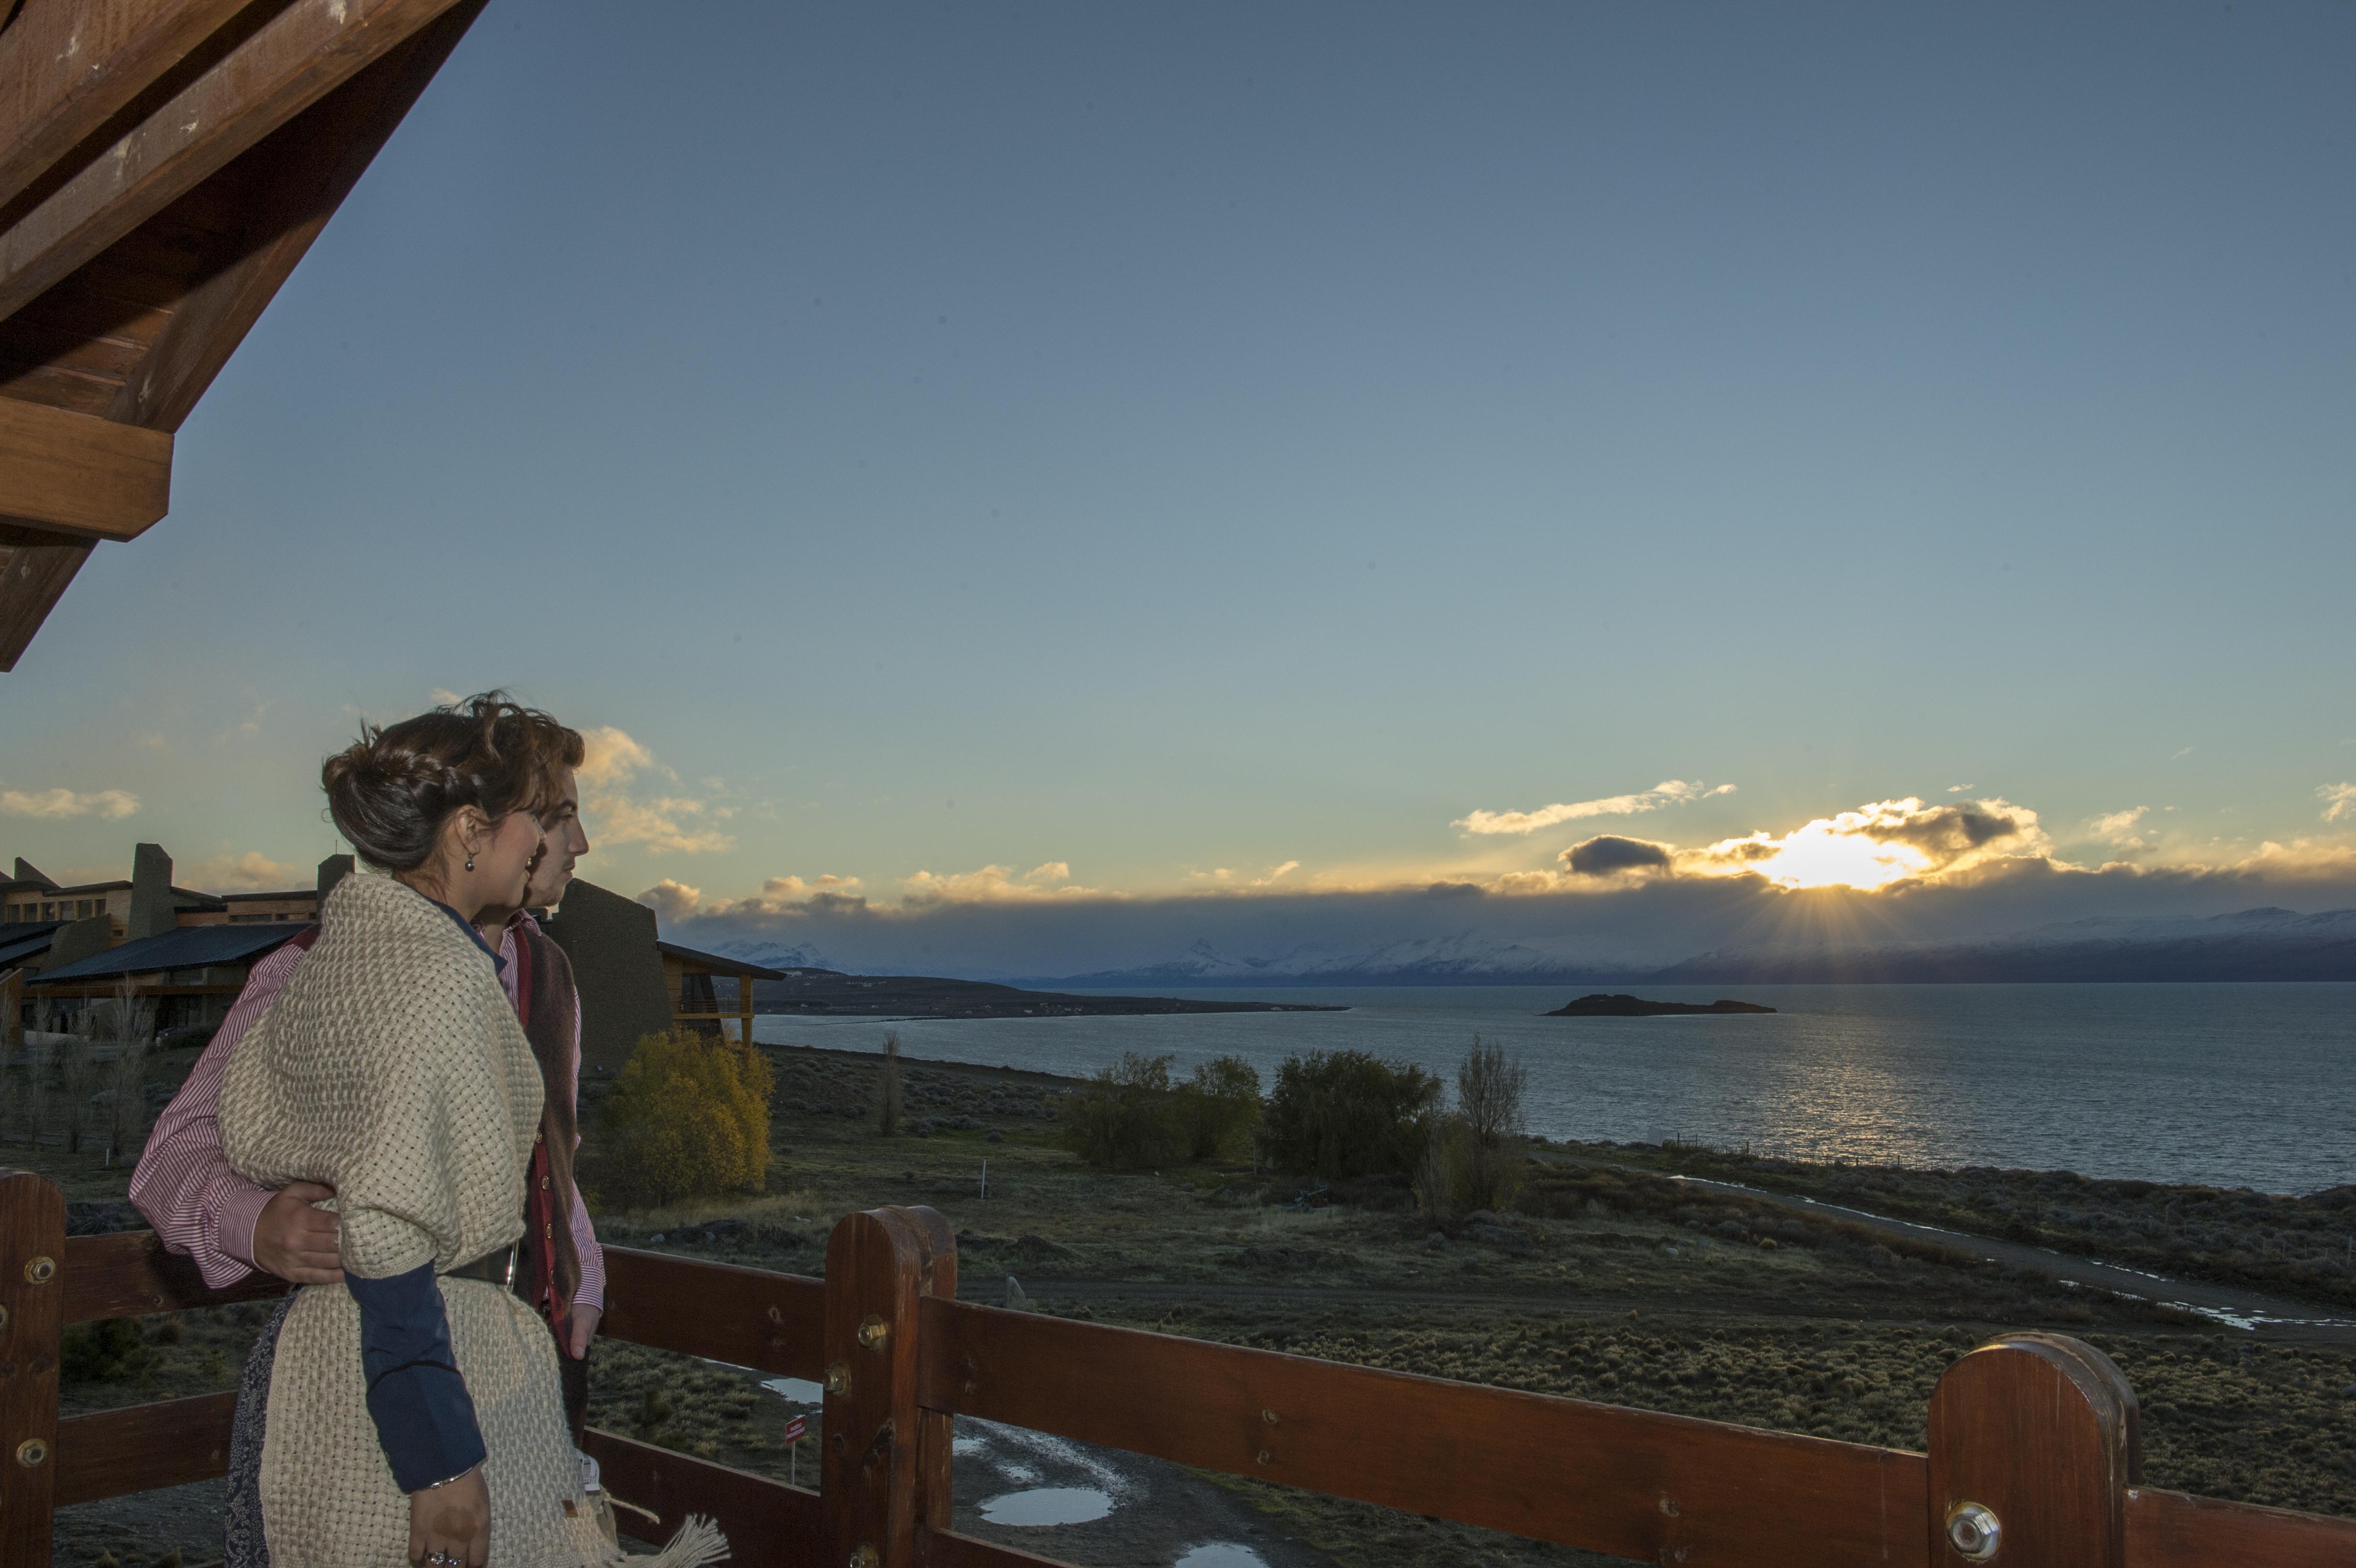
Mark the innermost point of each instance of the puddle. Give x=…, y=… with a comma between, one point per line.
x=1047, y=1505
x=1222, y=1554
x=795, y=1391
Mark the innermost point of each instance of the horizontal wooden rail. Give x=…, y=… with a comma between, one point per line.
x=1635, y=1484
x=766, y=1522
x=2176, y=1530
x=166, y=1443
x=1629, y=1483
x=949, y=1549
x=745, y=1317
x=129, y=1275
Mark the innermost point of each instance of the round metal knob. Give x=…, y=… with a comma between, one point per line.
x=1974, y=1531
x=32, y=1451
x=40, y=1271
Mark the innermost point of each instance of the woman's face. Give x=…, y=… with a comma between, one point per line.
x=482, y=864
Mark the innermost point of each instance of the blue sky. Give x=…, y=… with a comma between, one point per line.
x=1155, y=441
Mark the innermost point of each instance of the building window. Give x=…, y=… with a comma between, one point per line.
x=81, y=909
x=48, y=912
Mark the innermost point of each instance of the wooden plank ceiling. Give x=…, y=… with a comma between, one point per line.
x=164, y=165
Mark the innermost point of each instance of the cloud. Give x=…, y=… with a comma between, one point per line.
x=1958, y=789
x=779, y=896
x=2339, y=800
x=443, y=697
x=611, y=763
x=1668, y=792
x=1616, y=927
x=1609, y=855
x=1224, y=878
x=993, y=884
x=251, y=872
x=673, y=899
x=112, y=804
x=2119, y=827
x=611, y=757
x=1880, y=844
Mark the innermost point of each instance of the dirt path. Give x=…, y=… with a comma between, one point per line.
x=2271, y=1317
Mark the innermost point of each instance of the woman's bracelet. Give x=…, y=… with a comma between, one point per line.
x=448, y=1480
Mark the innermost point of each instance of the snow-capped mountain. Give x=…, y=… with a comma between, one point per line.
x=776, y=955
x=2250, y=944
x=1465, y=958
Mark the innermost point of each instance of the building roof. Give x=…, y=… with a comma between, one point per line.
x=251, y=897
x=188, y=947
x=182, y=897
x=20, y=942
x=712, y=963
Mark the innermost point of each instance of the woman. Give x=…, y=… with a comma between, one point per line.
x=415, y=1410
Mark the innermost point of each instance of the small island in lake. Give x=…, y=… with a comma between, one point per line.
x=1599, y=1005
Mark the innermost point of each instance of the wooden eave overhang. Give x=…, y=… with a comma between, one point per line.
x=164, y=165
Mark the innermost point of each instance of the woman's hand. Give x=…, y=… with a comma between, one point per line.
x=450, y=1524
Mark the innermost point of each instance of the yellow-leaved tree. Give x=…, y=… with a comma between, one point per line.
x=688, y=1117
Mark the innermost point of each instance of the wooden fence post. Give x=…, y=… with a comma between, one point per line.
x=32, y=1319
x=2034, y=1446
x=875, y=1268
x=936, y=1431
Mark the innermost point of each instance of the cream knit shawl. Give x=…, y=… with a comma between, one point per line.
x=393, y=1069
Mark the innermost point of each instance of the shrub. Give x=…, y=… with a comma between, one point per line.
x=105, y=1351
x=1346, y=1113
x=689, y=1116
x=1218, y=1109
x=1129, y=1117
x=1125, y=1118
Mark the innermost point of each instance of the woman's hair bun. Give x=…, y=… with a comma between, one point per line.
x=392, y=790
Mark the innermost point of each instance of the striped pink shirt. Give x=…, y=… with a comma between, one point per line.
x=203, y=1209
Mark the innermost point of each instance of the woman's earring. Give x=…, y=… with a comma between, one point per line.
x=470, y=862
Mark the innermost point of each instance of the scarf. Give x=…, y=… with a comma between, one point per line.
x=548, y=1007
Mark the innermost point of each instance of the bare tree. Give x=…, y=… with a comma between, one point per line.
x=134, y=1036
x=77, y=1075
x=891, y=1124
x=40, y=1081
x=1489, y=1088
x=9, y=1095
x=1488, y=1119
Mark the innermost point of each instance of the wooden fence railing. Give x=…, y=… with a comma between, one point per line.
x=2032, y=1460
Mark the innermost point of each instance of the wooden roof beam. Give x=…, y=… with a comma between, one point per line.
x=35, y=571
x=76, y=475
x=299, y=176
x=283, y=67
x=68, y=67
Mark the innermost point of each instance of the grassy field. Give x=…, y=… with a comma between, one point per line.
x=1610, y=1283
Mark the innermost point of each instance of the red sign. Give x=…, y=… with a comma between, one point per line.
x=797, y=1429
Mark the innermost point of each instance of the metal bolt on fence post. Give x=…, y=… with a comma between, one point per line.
x=1975, y=1532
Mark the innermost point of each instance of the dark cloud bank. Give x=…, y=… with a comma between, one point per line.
x=1627, y=915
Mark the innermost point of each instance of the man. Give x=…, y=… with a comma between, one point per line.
x=203, y=1209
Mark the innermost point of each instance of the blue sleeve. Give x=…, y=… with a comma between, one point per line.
x=424, y=1418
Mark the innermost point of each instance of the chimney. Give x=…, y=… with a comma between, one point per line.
x=332, y=869
x=152, y=913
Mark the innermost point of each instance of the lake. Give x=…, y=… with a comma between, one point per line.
x=2231, y=1086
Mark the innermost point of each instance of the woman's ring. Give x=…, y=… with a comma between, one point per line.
x=444, y=1559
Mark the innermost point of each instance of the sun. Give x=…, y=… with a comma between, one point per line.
x=1817, y=856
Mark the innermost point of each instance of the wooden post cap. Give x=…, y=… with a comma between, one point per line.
x=2033, y=1441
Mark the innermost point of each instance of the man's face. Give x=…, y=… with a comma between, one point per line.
x=562, y=842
